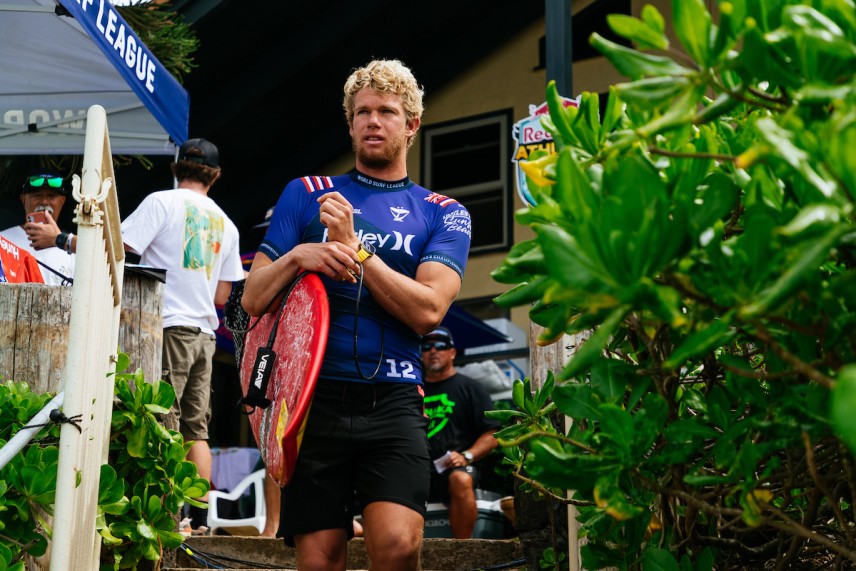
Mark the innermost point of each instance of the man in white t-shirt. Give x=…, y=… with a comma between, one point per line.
x=185, y=232
x=43, y=195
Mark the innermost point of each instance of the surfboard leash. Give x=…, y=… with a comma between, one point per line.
x=256, y=396
x=356, y=320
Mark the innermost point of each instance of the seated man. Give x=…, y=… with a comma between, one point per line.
x=455, y=406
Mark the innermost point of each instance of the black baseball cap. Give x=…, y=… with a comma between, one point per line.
x=441, y=333
x=199, y=151
x=45, y=179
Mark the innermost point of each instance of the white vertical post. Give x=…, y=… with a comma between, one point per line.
x=93, y=338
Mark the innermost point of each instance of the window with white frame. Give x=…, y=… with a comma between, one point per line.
x=470, y=160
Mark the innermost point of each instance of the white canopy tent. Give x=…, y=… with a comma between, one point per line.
x=54, y=67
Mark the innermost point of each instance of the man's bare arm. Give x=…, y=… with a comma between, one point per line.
x=419, y=303
x=267, y=278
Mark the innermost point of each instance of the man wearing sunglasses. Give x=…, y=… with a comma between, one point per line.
x=459, y=433
x=43, y=195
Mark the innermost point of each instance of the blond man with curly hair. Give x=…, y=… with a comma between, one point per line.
x=391, y=255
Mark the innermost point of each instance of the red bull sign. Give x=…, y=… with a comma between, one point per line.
x=531, y=136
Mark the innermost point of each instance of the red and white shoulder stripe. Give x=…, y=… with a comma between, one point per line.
x=442, y=200
x=316, y=183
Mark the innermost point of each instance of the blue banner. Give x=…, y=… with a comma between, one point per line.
x=165, y=98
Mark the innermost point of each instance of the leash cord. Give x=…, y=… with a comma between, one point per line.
x=356, y=320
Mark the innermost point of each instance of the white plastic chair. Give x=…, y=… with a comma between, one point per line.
x=257, y=480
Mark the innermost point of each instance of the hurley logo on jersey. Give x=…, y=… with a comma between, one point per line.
x=399, y=241
x=438, y=409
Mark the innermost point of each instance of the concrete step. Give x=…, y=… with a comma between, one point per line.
x=257, y=553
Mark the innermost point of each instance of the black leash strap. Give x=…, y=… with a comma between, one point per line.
x=256, y=396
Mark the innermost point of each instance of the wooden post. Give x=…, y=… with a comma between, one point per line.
x=553, y=357
x=34, y=334
x=34, y=330
x=141, y=323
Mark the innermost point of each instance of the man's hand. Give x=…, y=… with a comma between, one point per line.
x=333, y=259
x=42, y=235
x=337, y=215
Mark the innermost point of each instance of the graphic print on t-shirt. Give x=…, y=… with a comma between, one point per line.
x=203, y=237
x=439, y=409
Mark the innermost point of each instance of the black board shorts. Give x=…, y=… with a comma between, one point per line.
x=363, y=443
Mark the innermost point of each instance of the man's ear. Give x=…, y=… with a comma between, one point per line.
x=413, y=127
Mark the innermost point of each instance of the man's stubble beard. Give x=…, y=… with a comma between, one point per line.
x=382, y=159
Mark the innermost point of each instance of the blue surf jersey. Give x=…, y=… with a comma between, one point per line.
x=408, y=225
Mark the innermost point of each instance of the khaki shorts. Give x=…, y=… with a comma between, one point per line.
x=187, y=354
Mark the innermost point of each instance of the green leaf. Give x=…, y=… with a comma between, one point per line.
x=518, y=393
x=658, y=559
x=163, y=397
x=705, y=339
x=154, y=508
x=807, y=261
x=724, y=37
x=635, y=64
x=654, y=19
x=780, y=143
x=638, y=31
x=653, y=92
x=523, y=293
x=566, y=261
x=138, y=442
x=692, y=26
x=813, y=30
x=123, y=361
x=578, y=401
x=760, y=61
x=613, y=500
x=145, y=530
x=558, y=116
x=842, y=405
x=617, y=425
x=610, y=377
x=543, y=393
x=593, y=347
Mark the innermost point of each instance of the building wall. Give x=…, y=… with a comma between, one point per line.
x=508, y=78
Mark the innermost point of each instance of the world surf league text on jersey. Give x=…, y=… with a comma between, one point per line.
x=382, y=183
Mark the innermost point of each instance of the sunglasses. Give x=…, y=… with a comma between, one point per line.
x=39, y=181
x=438, y=345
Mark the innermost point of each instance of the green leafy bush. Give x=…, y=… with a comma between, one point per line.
x=28, y=481
x=701, y=232
x=142, y=489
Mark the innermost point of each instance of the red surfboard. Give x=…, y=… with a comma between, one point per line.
x=301, y=339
